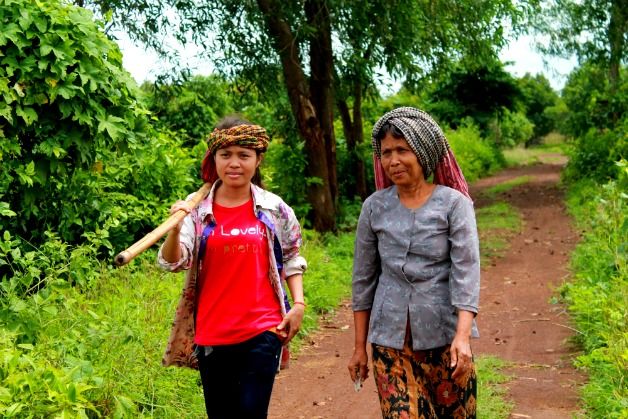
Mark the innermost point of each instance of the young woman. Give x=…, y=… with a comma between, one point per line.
x=238, y=245
x=416, y=275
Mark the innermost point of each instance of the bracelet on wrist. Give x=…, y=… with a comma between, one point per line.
x=299, y=303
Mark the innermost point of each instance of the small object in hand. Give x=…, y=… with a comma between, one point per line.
x=357, y=384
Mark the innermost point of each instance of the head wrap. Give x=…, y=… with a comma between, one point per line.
x=248, y=136
x=428, y=143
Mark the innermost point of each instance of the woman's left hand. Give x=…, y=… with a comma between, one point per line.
x=461, y=356
x=291, y=323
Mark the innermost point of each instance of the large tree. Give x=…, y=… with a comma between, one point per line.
x=325, y=53
x=408, y=41
x=594, y=30
x=481, y=92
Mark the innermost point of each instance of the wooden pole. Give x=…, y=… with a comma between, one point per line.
x=151, y=238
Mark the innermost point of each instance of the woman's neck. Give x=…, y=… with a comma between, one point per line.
x=228, y=196
x=415, y=195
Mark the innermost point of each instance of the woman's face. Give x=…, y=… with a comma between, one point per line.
x=236, y=165
x=399, y=161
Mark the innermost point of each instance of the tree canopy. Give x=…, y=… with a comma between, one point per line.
x=594, y=30
x=326, y=54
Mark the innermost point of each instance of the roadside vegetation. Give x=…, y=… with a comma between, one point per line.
x=597, y=295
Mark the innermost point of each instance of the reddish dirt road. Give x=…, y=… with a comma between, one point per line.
x=517, y=322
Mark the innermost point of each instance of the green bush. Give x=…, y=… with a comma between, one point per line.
x=476, y=157
x=513, y=128
x=596, y=153
x=597, y=297
x=79, y=157
x=66, y=102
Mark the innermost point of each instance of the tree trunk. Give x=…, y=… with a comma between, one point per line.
x=358, y=138
x=308, y=122
x=321, y=83
x=617, y=28
x=353, y=132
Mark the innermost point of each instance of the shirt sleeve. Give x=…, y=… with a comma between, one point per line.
x=186, y=242
x=366, y=262
x=291, y=240
x=464, y=278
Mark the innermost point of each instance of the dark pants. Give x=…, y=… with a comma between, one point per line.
x=238, y=379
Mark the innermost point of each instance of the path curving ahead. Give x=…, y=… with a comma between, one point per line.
x=517, y=322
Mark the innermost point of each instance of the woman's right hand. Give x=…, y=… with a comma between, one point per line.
x=358, y=365
x=177, y=206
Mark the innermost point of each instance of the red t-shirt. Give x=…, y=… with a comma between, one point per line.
x=236, y=299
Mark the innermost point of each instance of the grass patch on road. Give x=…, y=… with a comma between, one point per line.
x=497, y=224
x=492, y=401
x=506, y=186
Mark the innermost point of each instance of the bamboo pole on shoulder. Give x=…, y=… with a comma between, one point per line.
x=151, y=238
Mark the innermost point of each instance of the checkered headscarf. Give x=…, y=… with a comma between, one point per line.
x=428, y=142
x=249, y=136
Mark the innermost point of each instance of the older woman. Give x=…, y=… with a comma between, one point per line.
x=237, y=245
x=416, y=275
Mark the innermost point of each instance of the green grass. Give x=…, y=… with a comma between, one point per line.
x=549, y=151
x=328, y=278
x=506, y=186
x=492, y=403
x=497, y=224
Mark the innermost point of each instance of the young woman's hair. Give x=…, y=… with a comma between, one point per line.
x=234, y=120
x=231, y=121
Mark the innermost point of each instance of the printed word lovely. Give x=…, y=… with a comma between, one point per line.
x=250, y=231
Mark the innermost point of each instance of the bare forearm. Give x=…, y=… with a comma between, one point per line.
x=465, y=322
x=361, y=324
x=295, y=285
x=171, y=250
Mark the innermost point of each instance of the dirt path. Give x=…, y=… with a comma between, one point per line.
x=517, y=322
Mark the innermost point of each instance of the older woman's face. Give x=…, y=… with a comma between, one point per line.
x=399, y=161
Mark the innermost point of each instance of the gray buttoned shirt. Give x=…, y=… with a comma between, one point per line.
x=423, y=263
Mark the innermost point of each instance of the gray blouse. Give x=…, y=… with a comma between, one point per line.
x=424, y=263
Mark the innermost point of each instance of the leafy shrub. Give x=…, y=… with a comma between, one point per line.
x=474, y=154
x=537, y=97
x=597, y=297
x=66, y=103
x=511, y=129
x=595, y=154
x=591, y=101
x=78, y=154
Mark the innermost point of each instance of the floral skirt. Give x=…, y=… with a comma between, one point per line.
x=418, y=384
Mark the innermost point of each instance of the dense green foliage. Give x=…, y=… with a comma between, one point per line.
x=479, y=92
x=476, y=156
x=190, y=108
x=79, y=159
x=598, y=121
x=598, y=295
x=76, y=145
x=537, y=96
x=593, y=30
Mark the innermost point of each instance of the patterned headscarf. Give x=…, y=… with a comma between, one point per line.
x=248, y=136
x=427, y=141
